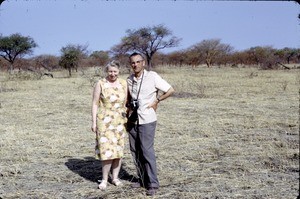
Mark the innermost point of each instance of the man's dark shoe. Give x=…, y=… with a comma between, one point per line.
x=151, y=191
x=136, y=185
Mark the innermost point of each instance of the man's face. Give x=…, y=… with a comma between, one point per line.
x=137, y=63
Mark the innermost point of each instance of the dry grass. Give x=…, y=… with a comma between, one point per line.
x=227, y=133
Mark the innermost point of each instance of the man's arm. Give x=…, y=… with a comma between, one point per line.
x=162, y=97
x=165, y=95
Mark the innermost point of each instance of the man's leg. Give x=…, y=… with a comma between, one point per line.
x=147, y=134
x=135, y=148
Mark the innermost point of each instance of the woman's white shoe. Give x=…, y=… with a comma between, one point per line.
x=116, y=182
x=103, y=185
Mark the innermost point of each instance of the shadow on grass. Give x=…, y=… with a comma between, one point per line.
x=90, y=169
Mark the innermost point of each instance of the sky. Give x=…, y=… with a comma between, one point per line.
x=101, y=24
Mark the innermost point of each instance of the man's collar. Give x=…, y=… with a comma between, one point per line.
x=145, y=72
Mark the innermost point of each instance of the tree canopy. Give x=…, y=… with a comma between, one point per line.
x=71, y=55
x=147, y=41
x=101, y=57
x=211, y=49
x=14, y=46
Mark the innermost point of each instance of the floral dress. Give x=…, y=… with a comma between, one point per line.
x=111, y=120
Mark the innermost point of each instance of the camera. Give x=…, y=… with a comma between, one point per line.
x=134, y=104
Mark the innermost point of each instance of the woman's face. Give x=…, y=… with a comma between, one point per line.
x=113, y=73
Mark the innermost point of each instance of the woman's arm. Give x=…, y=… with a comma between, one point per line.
x=95, y=104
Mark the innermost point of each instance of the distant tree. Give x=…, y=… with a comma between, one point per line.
x=239, y=58
x=14, y=46
x=265, y=56
x=288, y=54
x=192, y=57
x=210, y=50
x=159, y=58
x=48, y=62
x=146, y=40
x=101, y=57
x=260, y=54
x=71, y=55
x=297, y=56
x=176, y=58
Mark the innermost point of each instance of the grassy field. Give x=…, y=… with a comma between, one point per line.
x=226, y=133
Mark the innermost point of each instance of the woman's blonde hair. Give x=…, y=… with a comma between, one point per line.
x=113, y=63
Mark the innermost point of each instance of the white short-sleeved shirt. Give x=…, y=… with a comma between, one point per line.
x=150, y=83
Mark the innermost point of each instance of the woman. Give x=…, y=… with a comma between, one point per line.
x=108, y=122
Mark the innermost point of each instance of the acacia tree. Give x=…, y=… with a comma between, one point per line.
x=14, y=46
x=211, y=49
x=288, y=54
x=48, y=62
x=177, y=57
x=260, y=54
x=147, y=41
x=71, y=55
x=101, y=57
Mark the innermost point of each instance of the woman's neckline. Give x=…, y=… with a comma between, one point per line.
x=115, y=83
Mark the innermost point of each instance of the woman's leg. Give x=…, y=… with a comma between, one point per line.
x=106, y=165
x=116, y=166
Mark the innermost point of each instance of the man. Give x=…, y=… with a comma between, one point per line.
x=143, y=87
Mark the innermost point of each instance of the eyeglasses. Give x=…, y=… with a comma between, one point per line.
x=137, y=62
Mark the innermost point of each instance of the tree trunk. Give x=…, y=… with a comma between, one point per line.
x=70, y=73
x=149, y=62
x=208, y=63
x=288, y=59
x=11, y=68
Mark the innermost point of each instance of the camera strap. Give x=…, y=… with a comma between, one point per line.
x=137, y=96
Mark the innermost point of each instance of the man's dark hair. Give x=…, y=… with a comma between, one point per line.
x=135, y=54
